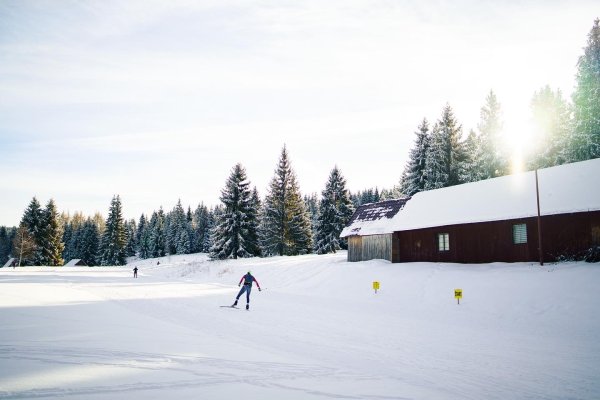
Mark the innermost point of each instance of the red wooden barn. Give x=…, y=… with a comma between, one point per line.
x=488, y=221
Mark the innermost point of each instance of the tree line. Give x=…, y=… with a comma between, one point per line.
x=243, y=225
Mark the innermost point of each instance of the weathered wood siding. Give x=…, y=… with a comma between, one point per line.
x=355, y=248
x=363, y=248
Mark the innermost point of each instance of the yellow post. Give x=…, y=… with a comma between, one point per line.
x=375, y=286
x=458, y=295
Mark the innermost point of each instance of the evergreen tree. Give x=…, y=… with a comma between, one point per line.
x=492, y=154
x=130, y=238
x=312, y=206
x=552, y=119
x=7, y=235
x=52, y=244
x=33, y=221
x=231, y=236
x=156, y=234
x=413, y=180
x=335, y=209
x=114, y=237
x=141, y=246
x=253, y=216
x=178, y=234
x=200, y=226
x=445, y=153
x=586, y=100
x=86, y=243
x=285, y=224
x=213, y=217
x=471, y=168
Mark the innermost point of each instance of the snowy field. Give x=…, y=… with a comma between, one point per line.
x=316, y=331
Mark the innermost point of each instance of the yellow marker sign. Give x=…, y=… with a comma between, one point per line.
x=375, y=286
x=458, y=295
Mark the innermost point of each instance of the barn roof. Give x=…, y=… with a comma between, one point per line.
x=372, y=218
x=563, y=189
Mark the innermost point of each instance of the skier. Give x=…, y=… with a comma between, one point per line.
x=135, y=272
x=247, y=279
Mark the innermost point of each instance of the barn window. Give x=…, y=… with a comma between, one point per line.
x=519, y=233
x=443, y=241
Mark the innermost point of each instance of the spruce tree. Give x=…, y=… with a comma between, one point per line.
x=200, y=226
x=114, y=237
x=33, y=221
x=470, y=167
x=552, y=119
x=156, y=234
x=413, y=179
x=52, y=244
x=442, y=164
x=335, y=209
x=254, y=216
x=586, y=100
x=232, y=237
x=285, y=225
x=491, y=152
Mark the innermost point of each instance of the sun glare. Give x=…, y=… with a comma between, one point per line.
x=518, y=141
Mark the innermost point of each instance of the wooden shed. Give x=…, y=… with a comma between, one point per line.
x=368, y=233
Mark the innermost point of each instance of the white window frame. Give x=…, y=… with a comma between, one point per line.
x=519, y=233
x=443, y=241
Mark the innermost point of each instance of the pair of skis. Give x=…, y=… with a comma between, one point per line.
x=236, y=307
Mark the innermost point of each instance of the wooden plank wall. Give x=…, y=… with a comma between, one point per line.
x=363, y=248
x=355, y=248
x=377, y=247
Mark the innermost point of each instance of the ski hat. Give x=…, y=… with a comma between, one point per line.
x=249, y=272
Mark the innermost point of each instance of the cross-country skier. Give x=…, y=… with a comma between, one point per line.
x=247, y=279
x=135, y=272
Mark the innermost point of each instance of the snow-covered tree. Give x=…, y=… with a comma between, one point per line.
x=155, y=234
x=552, y=124
x=178, y=231
x=231, y=236
x=285, y=224
x=586, y=100
x=335, y=209
x=492, y=154
x=130, y=235
x=200, y=228
x=470, y=168
x=33, y=221
x=445, y=153
x=52, y=244
x=113, y=240
x=413, y=180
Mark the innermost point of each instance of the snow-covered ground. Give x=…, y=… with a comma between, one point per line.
x=316, y=331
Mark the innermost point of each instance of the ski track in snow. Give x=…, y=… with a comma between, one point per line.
x=202, y=369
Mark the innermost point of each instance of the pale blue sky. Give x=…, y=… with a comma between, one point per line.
x=157, y=100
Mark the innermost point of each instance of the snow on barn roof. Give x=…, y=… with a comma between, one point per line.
x=563, y=189
x=10, y=263
x=75, y=262
x=372, y=218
